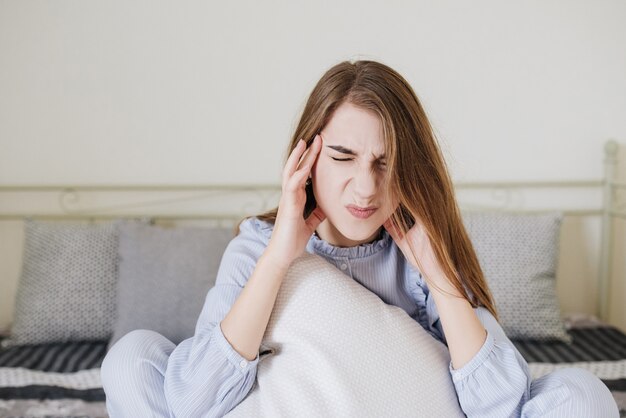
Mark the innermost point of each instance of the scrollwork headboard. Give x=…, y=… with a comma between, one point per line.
x=227, y=204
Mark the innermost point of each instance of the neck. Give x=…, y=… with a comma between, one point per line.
x=330, y=234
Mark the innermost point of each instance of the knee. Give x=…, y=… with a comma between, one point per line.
x=580, y=382
x=124, y=362
x=588, y=394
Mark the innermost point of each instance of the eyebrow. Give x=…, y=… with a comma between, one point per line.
x=348, y=151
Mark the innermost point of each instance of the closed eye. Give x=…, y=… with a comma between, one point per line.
x=381, y=164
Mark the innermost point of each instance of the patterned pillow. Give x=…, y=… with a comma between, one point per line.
x=176, y=267
x=518, y=254
x=66, y=290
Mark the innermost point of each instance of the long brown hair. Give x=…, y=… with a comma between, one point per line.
x=417, y=175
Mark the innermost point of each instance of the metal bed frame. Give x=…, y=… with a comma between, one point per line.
x=86, y=202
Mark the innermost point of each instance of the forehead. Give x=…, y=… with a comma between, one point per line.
x=356, y=129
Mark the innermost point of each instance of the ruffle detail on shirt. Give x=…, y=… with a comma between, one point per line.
x=494, y=382
x=420, y=300
x=262, y=227
x=426, y=308
x=323, y=247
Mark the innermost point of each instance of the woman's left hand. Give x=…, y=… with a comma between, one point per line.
x=421, y=243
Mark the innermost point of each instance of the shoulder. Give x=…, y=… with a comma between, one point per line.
x=255, y=229
x=243, y=251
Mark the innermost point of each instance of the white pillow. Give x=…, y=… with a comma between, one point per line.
x=341, y=351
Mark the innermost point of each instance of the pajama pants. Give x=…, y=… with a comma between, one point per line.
x=133, y=371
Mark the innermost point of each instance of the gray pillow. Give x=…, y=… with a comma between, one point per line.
x=66, y=290
x=518, y=254
x=164, y=277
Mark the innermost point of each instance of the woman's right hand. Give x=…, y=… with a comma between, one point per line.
x=291, y=231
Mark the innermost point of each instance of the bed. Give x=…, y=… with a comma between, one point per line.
x=61, y=378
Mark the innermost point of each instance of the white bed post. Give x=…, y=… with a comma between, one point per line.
x=606, y=251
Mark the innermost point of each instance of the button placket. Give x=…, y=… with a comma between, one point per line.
x=344, y=265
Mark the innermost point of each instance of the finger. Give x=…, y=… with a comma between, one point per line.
x=307, y=152
x=315, y=218
x=311, y=154
x=389, y=228
x=292, y=161
x=297, y=181
x=392, y=229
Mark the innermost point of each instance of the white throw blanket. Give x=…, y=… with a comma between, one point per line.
x=340, y=351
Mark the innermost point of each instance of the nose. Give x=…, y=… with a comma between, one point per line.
x=365, y=185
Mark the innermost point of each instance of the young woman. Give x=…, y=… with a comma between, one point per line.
x=370, y=192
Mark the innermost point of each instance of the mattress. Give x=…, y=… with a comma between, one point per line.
x=63, y=380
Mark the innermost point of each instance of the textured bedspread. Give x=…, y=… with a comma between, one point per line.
x=63, y=380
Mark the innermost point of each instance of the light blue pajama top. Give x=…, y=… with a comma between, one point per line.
x=206, y=376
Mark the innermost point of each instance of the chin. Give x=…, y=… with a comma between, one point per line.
x=360, y=233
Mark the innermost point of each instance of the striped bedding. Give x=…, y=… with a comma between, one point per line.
x=601, y=350
x=64, y=379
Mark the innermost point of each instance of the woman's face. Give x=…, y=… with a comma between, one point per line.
x=351, y=170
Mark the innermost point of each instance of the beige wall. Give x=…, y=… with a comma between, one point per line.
x=121, y=92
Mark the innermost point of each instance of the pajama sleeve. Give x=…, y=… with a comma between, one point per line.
x=205, y=375
x=496, y=381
